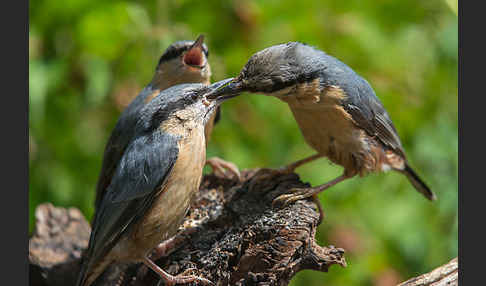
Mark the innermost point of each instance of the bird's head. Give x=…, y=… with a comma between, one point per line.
x=183, y=103
x=274, y=70
x=182, y=62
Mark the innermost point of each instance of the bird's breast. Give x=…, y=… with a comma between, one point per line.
x=327, y=129
x=326, y=126
x=170, y=207
x=320, y=115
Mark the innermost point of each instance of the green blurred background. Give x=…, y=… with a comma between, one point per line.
x=89, y=58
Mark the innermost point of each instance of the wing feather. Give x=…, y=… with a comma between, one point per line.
x=121, y=135
x=368, y=113
x=141, y=173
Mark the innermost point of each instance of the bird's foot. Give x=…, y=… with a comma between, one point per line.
x=184, y=278
x=295, y=195
x=300, y=194
x=303, y=193
x=171, y=280
x=224, y=168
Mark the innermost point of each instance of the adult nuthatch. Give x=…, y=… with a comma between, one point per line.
x=337, y=111
x=182, y=62
x=154, y=182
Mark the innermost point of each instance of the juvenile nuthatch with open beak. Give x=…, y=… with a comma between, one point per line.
x=182, y=62
x=337, y=111
x=154, y=182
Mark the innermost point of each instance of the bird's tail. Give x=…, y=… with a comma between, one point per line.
x=88, y=274
x=82, y=274
x=418, y=183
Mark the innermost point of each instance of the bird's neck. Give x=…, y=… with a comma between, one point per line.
x=170, y=74
x=161, y=82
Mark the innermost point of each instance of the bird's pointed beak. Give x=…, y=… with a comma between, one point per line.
x=194, y=57
x=224, y=89
x=198, y=43
x=213, y=103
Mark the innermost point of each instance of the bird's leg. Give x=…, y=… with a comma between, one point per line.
x=302, y=193
x=219, y=165
x=267, y=173
x=291, y=167
x=166, y=247
x=172, y=280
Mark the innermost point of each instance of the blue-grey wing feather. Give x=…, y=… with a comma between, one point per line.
x=369, y=114
x=141, y=174
x=361, y=101
x=121, y=135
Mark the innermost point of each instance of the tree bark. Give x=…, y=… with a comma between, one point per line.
x=445, y=275
x=232, y=236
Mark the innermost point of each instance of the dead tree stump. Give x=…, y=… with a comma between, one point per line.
x=232, y=236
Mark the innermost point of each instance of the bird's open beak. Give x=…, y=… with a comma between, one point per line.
x=194, y=57
x=225, y=89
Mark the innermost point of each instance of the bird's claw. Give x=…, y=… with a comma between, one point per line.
x=188, y=271
x=295, y=195
x=183, y=278
x=222, y=168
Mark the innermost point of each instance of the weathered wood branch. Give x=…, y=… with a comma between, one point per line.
x=232, y=236
x=445, y=275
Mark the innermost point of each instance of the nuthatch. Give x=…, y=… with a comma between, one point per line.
x=182, y=62
x=154, y=182
x=337, y=111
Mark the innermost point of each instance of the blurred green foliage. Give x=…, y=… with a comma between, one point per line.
x=88, y=58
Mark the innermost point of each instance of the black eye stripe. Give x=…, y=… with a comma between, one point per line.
x=172, y=53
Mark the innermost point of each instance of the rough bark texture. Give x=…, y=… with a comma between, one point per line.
x=445, y=275
x=232, y=236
